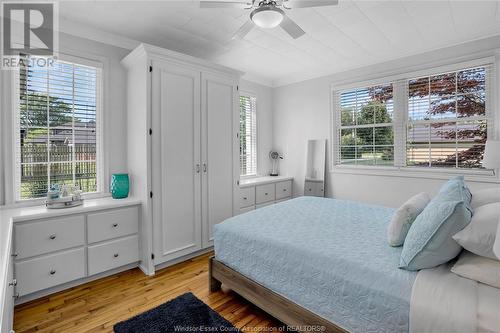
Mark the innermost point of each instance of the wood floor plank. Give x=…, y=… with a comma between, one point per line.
x=96, y=306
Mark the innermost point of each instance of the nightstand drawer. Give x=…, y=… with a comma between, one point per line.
x=36, y=238
x=49, y=271
x=264, y=193
x=283, y=189
x=247, y=196
x=113, y=254
x=112, y=224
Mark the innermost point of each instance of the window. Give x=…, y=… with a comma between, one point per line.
x=447, y=123
x=434, y=121
x=58, y=122
x=366, y=131
x=248, y=136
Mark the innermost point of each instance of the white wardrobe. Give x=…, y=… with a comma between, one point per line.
x=183, y=148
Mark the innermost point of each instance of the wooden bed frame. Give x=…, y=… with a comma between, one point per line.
x=288, y=312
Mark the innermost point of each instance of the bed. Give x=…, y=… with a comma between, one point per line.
x=319, y=261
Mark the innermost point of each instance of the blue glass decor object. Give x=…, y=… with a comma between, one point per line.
x=119, y=186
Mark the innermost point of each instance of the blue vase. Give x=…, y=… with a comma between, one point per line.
x=119, y=186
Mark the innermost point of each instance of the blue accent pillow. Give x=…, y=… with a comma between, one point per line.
x=455, y=189
x=429, y=242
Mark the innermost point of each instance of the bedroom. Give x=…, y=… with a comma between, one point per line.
x=300, y=165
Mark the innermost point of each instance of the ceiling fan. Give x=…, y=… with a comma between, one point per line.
x=268, y=13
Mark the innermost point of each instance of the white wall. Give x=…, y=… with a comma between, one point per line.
x=264, y=122
x=302, y=112
x=114, y=109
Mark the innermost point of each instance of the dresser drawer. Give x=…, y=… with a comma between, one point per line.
x=49, y=271
x=264, y=193
x=264, y=204
x=7, y=301
x=283, y=189
x=246, y=209
x=113, y=254
x=32, y=239
x=310, y=188
x=247, y=196
x=112, y=224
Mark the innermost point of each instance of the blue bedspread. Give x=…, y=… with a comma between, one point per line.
x=329, y=256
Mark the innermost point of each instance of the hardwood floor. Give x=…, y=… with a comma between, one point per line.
x=98, y=305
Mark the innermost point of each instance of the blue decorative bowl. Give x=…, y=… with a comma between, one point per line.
x=119, y=186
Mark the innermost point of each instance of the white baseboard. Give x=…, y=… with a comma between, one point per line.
x=183, y=258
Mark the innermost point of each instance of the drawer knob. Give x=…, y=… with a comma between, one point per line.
x=115, y=225
x=284, y=190
x=244, y=198
x=52, y=272
x=115, y=255
x=266, y=193
x=52, y=237
x=13, y=283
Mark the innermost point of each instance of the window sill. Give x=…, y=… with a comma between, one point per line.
x=482, y=176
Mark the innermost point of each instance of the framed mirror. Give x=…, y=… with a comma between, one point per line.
x=314, y=184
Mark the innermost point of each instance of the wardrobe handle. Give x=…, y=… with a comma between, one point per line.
x=197, y=168
x=204, y=167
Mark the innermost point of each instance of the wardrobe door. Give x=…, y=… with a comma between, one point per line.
x=219, y=151
x=176, y=155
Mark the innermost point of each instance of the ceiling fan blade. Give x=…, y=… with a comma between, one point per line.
x=225, y=4
x=243, y=30
x=291, y=27
x=309, y=3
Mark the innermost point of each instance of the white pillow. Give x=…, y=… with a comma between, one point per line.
x=479, y=236
x=484, y=197
x=478, y=268
x=496, y=246
x=403, y=218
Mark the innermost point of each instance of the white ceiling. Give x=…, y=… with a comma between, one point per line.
x=350, y=35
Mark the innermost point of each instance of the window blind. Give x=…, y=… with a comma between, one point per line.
x=448, y=119
x=248, y=135
x=366, y=133
x=58, y=129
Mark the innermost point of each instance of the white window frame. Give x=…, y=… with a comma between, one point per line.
x=400, y=121
x=101, y=156
x=251, y=95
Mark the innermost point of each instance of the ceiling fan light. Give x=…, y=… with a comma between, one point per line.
x=267, y=17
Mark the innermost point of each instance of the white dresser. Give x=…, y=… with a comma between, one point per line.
x=51, y=250
x=263, y=191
